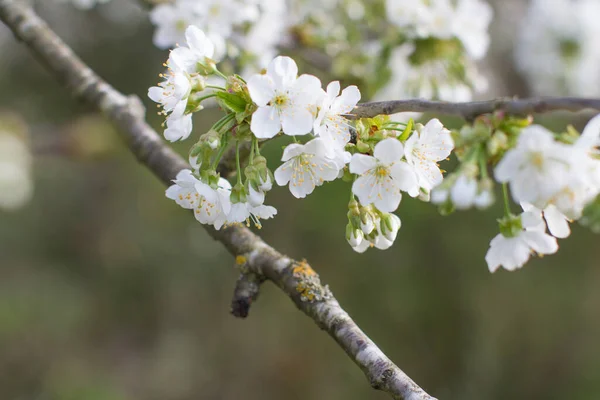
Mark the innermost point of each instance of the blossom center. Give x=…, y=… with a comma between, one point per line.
x=280, y=100
x=537, y=159
x=382, y=171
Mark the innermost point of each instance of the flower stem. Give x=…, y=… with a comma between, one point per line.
x=223, y=121
x=483, y=164
x=222, y=75
x=506, y=201
x=208, y=96
x=252, y=147
x=237, y=161
x=220, y=153
x=215, y=87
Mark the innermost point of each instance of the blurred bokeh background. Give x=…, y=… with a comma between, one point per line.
x=109, y=291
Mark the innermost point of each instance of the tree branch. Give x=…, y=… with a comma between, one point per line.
x=296, y=279
x=470, y=110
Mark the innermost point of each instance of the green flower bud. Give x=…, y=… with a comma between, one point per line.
x=363, y=147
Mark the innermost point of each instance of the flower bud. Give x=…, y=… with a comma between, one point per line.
x=238, y=194
x=363, y=147
x=255, y=197
x=353, y=236
x=367, y=220
x=389, y=225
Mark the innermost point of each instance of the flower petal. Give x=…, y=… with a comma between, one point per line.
x=361, y=163
x=262, y=89
x=283, y=71
x=296, y=121
x=389, y=151
x=265, y=122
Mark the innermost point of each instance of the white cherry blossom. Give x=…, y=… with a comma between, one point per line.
x=211, y=206
x=330, y=123
x=199, y=49
x=179, y=124
x=171, y=21
x=537, y=168
x=470, y=25
x=174, y=89
x=244, y=212
x=425, y=148
x=557, y=222
x=383, y=175
x=285, y=101
x=305, y=167
x=382, y=237
x=512, y=253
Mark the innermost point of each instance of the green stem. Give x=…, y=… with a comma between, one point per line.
x=506, y=201
x=223, y=121
x=220, y=74
x=252, y=147
x=483, y=163
x=220, y=153
x=215, y=87
x=389, y=128
x=257, y=146
x=237, y=162
x=208, y=96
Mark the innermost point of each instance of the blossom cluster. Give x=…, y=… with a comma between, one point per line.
x=552, y=177
x=441, y=41
x=555, y=48
x=420, y=48
x=383, y=159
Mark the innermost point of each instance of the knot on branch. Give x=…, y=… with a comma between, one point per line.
x=308, y=283
x=380, y=381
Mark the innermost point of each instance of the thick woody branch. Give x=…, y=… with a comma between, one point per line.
x=296, y=279
x=470, y=110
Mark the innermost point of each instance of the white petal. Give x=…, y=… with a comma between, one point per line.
x=361, y=163
x=198, y=42
x=264, y=212
x=255, y=197
x=590, y=137
x=463, y=192
x=262, y=89
x=541, y=243
x=347, y=101
x=307, y=89
x=558, y=224
x=405, y=178
x=292, y=150
x=265, y=122
x=388, y=201
x=283, y=71
x=333, y=89
x=296, y=121
x=362, y=246
x=388, y=151
x=283, y=174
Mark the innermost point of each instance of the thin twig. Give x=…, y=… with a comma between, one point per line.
x=470, y=110
x=296, y=279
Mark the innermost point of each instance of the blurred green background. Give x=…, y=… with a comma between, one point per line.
x=109, y=291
